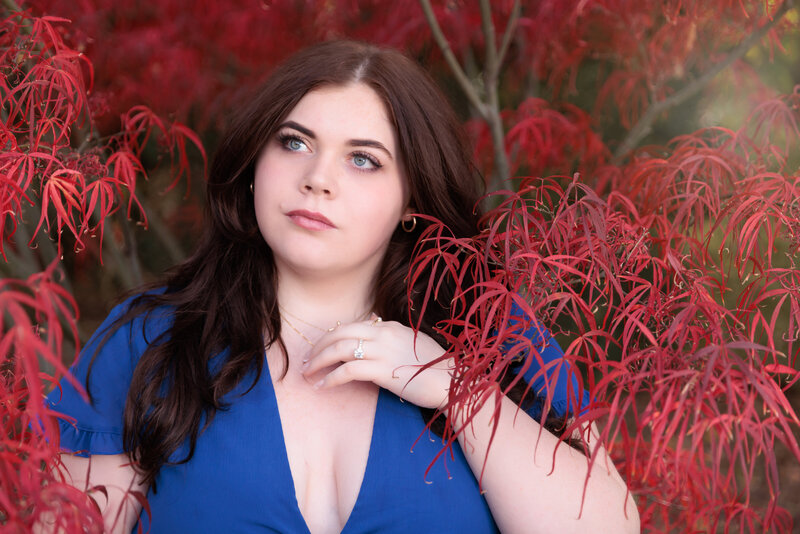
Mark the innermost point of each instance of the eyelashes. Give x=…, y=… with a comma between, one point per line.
x=290, y=142
x=362, y=161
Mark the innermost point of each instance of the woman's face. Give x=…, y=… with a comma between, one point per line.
x=329, y=186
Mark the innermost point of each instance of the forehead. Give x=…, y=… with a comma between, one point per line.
x=353, y=111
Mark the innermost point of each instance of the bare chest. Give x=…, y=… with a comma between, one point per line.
x=327, y=436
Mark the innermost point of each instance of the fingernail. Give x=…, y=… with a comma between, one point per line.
x=319, y=384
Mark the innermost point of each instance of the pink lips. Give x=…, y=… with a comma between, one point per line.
x=310, y=220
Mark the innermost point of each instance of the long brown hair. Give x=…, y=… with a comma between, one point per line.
x=223, y=298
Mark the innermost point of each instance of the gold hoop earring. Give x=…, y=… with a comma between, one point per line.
x=252, y=190
x=406, y=229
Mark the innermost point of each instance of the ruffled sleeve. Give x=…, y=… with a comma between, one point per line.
x=549, y=372
x=96, y=428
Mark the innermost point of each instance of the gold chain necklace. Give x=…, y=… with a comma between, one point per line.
x=293, y=327
x=287, y=312
x=301, y=334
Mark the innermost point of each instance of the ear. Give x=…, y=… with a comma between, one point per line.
x=407, y=213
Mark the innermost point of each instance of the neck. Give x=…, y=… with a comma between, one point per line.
x=324, y=301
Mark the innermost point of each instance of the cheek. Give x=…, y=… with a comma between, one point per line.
x=264, y=172
x=263, y=195
x=271, y=165
x=269, y=186
x=382, y=209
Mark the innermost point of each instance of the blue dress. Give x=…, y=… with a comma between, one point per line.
x=239, y=478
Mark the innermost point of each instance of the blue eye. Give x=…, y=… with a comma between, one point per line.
x=295, y=144
x=291, y=143
x=365, y=162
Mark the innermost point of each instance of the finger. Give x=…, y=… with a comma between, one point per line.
x=359, y=330
x=360, y=370
x=342, y=350
x=350, y=333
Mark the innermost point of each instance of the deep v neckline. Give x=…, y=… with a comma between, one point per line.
x=286, y=466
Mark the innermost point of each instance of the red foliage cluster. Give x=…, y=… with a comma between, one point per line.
x=36, y=308
x=688, y=389
x=194, y=58
x=671, y=274
x=45, y=92
x=677, y=290
x=44, y=97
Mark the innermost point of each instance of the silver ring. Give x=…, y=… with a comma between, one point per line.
x=358, y=354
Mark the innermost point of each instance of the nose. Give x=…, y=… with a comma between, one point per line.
x=320, y=177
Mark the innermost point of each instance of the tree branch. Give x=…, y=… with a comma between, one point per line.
x=502, y=170
x=645, y=123
x=489, y=108
x=449, y=56
x=491, y=71
x=509, y=33
x=491, y=68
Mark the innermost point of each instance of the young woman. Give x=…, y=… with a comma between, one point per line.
x=271, y=382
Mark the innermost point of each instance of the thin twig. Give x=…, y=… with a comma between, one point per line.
x=509, y=33
x=645, y=123
x=13, y=7
x=491, y=68
x=449, y=56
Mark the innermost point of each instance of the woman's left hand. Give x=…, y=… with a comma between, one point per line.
x=390, y=357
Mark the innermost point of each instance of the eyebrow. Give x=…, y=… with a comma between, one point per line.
x=352, y=142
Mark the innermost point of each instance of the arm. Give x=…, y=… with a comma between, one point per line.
x=96, y=428
x=120, y=508
x=525, y=496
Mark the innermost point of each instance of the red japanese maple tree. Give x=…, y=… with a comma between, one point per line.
x=665, y=260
